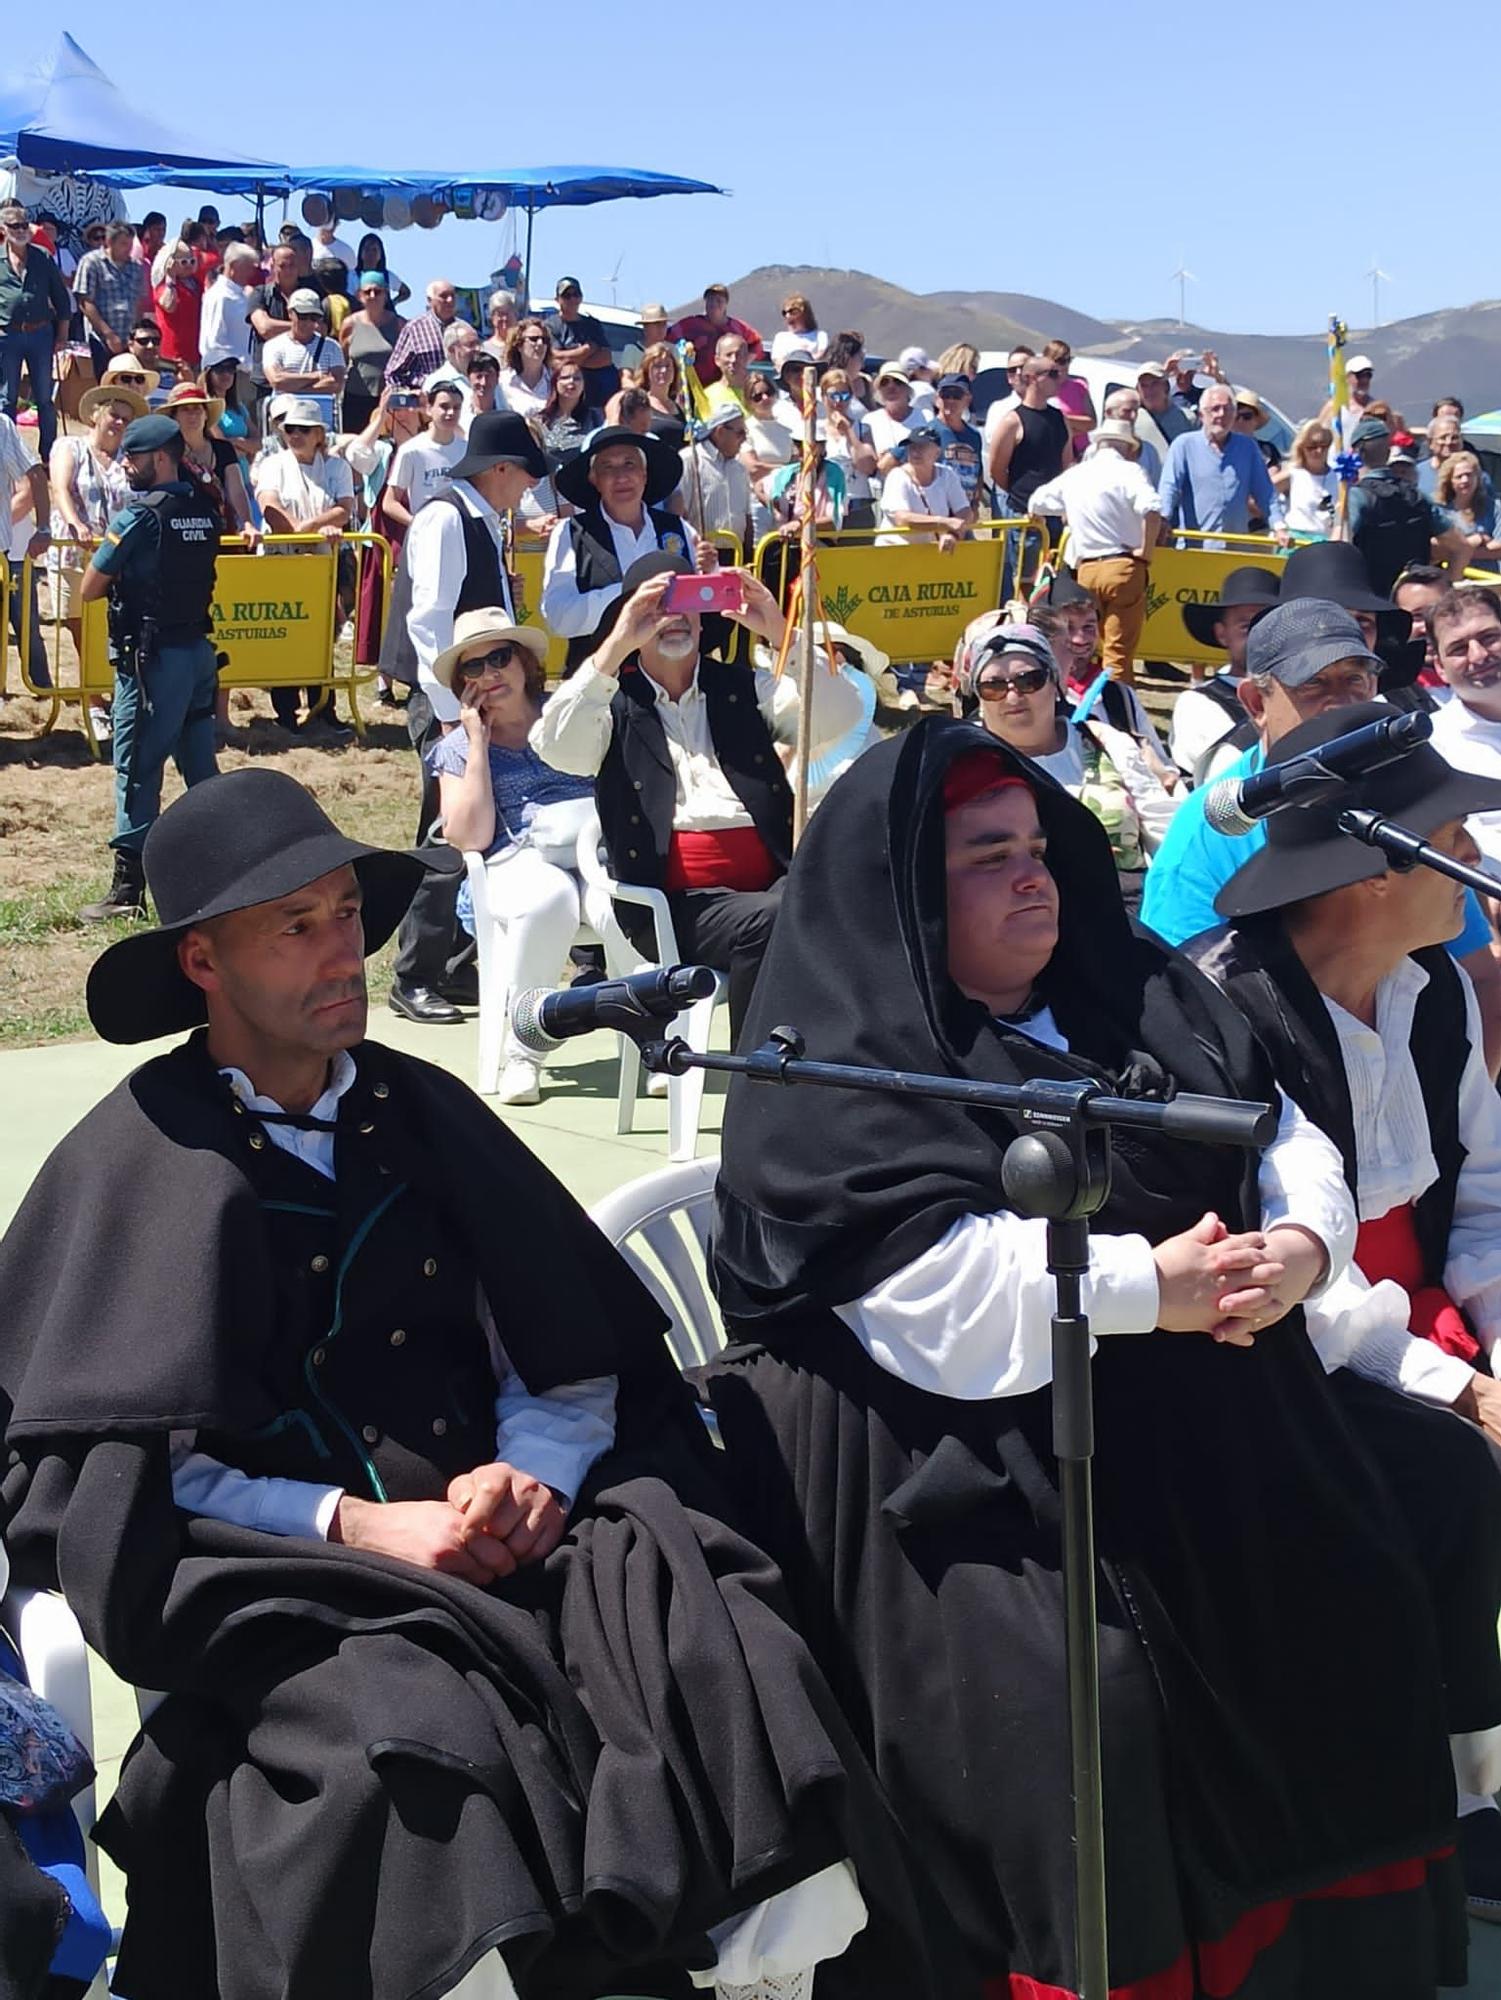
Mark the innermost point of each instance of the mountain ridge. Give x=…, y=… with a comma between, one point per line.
x=1454, y=351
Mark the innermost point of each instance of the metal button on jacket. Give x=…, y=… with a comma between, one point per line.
x=319, y=1264
x=320, y=1355
x=430, y=1267
x=257, y=1141
x=399, y=1336
x=381, y=1090
x=370, y=1434
x=440, y=1427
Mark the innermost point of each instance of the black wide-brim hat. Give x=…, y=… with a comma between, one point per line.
x=663, y=466
x=1250, y=584
x=500, y=437
x=1336, y=571
x=1306, y=854
x=242, y=838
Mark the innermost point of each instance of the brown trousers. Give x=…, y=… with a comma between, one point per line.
x=1118, y=585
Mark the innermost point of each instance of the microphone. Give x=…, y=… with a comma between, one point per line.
x=1235, y=804
x=542, y=1020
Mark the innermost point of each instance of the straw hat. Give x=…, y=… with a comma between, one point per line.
x=471, y=627
x=189, y=394
x=126, y=364
x=91, y=402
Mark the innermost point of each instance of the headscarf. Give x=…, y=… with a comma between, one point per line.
x=822, y=1197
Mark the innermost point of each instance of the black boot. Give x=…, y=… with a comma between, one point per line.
x=126, y=895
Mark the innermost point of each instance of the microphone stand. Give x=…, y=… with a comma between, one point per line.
x=1058, y=1168
x=1405, y=849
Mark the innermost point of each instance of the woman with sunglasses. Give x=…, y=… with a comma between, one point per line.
x=1014, y=684
x=850, y=446
x=526, y=379
x=1460, y=490
x=1310, y=483
x=371, y=256
x=801, y=333
x=498, y=798
x=177, y=298
x=367, y=336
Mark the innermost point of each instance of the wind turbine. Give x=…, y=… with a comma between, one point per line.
x=1184, y=278
x=1378, y=277
x=614, y=276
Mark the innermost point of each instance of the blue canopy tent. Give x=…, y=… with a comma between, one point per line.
x=485, y=193
x=66, y=117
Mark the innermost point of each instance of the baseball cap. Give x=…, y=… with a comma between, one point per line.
x=1357, y=364
x=954, y=385
x=306, y=300
x=1152, y=368
x=567, y=285
x=921, y=434
x=303, y=411
x=1369, y=429
x=1299, y=638
x=912, y=358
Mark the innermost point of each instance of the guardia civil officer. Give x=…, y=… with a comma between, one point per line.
x=156, y=564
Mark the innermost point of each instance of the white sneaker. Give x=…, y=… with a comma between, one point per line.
x=520, y=1082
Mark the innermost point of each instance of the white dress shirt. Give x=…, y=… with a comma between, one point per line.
x=224, y=319
x=435, y=560
x=575, y=613
x=1471, y=743
x=972, y=1316
x=1105, y=499
x=1364, y=1327
x=556, y=1438
x=574, y=731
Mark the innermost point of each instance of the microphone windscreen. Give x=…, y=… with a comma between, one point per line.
x=1222, y=809
x=526, y=1022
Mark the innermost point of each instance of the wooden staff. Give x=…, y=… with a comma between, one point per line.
x=808, y=580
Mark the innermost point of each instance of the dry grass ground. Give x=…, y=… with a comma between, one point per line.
x=57, y=811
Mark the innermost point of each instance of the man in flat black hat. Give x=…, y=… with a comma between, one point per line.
x=341, y=1425
x=1275, y=1771
x=682, y=747
x=619, y=482
x=1338, y=962
x=453, y=560
x=1208, y=713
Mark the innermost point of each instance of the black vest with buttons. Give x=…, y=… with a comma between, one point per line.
x=636, y=789
x=596, y=565
x=379, y=1365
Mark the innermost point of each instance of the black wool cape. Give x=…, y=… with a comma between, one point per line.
x=1272, y=1706
x=366, y=1775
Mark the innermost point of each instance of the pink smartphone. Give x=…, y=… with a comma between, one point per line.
x=719, y=591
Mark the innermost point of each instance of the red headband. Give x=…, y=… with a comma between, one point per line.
x=974, y=776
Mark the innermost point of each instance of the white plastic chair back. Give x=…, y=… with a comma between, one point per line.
x=660, y=1226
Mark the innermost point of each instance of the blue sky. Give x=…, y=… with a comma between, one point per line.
x=1078, y=153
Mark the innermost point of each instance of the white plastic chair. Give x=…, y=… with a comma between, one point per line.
x=666, y=1214
x=685, y=1094
x=598, y=926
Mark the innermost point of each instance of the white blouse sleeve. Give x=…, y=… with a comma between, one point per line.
x=972, y=1316
x=1472, y=1271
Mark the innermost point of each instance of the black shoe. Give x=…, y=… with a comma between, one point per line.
x=1480, y=1858
x=385, y=699
x=420, y=1003
x=126, y=895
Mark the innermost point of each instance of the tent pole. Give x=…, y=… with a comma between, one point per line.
x=526, y=274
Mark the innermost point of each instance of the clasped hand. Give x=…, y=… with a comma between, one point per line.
x=1230, y=1287
x=494, y=1521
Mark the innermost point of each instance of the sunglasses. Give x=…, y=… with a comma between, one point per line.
x=491, y=662
x=1031, y=680
x=147, y=339
x=132, y=381
x=837, y=395
x=1361, y=374
x=570, y=295
x=1245, y=410
x=299, y=430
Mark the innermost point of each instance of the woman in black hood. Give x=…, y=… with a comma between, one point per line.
x=1278, y=1794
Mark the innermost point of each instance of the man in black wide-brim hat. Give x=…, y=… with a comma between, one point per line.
x=342, y=1425
x=1338, y=961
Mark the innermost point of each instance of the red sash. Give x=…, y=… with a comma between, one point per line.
x=1389, y=1248
x=730, y=857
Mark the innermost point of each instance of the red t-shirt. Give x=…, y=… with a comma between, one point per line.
x=705, y=336
x=180, y=326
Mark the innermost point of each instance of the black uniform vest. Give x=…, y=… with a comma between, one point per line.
x=1257, y=968
x=485, y=583
x=176, y=590
x=379, y=1365
x=636, y=790
x=596, y=565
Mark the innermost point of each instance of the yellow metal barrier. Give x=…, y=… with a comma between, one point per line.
x=1188, y=568
x=528, y=556
x=910, y=598
x=274, y=617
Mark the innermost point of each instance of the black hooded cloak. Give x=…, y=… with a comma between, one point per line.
x=1278, y=1794
x=365, y=1775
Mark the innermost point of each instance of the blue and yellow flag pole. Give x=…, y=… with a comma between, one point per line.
x=1346, y=463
